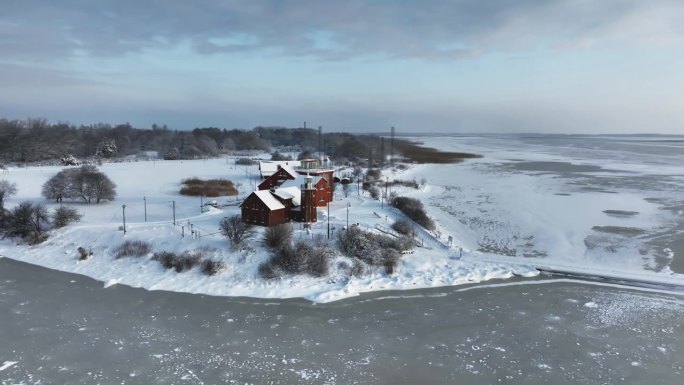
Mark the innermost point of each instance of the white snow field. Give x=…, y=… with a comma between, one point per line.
x=517, y=220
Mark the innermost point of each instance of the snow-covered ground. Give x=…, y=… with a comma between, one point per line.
x=506, y=220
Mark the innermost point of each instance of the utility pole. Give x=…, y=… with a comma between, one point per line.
x=386, y=184
x=123, y=208
x=328, y=220
x=392, y=147
x=201, y=205
x=320, y=143
x=348, y=204
x=145, y=202
x=174, y=212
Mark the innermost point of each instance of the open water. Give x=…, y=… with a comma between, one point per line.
x=63, y=328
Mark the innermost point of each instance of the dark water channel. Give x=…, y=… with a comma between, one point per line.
x=62, y=328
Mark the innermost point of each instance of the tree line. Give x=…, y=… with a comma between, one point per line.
x=37, y=140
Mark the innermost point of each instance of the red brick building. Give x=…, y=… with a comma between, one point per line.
x=281, y=205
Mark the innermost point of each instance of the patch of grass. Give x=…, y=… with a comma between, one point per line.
x=209, y=188
x=132, y=249
x=419, y=154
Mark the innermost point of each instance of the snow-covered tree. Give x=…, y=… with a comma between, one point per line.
x=107, y=148
x=86, y=183
x=172, y=154
x=69, y=160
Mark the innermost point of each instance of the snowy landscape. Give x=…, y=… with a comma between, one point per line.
x=493, y=222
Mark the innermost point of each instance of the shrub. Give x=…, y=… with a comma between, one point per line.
x=358, y=269
x=278, y=236
x=84, y=253
x=64, y=216
x=180, y=263
x=135, y=248
x=212, y=267
x=404, y=227
x=373, y=249
x=269, y=271
x=373, y=174
x=186, y=262
x=165, y=258
x=374, y=192
x=413, y=209
x=301, y=258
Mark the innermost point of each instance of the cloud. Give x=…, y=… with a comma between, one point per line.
x=429, y=29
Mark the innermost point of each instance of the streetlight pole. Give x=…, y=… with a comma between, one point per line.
x=174, y=212
x=386, y=186
x=348, y=205
x=145, y=202
x=328, y=220
x=123, y=208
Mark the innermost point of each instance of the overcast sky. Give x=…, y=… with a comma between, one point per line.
x=568, y=66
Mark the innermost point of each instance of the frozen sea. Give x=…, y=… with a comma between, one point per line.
x=583, y=201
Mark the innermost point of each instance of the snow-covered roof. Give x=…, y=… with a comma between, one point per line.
x=268, y=167
x=269, y=200
x=299, y=180
x=290, y=192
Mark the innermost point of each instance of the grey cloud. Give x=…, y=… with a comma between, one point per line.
x=448, y=29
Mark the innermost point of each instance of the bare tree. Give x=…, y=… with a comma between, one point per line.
x=236, y=230
x=7, y=189
x=28, y=221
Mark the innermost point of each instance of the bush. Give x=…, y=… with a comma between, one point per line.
x=374, y=192
x=269, y=271
x=180, y=263
x=413, y=209
x=135, y=248
x=64, y=216
x=165, y=258
x=404, y=227
x=302, y=258
x=277, y=236
x=358, y=269
x=373, y=249
x=211, y=267
x=84, y=254
x=373, y=174
x=186, y=262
